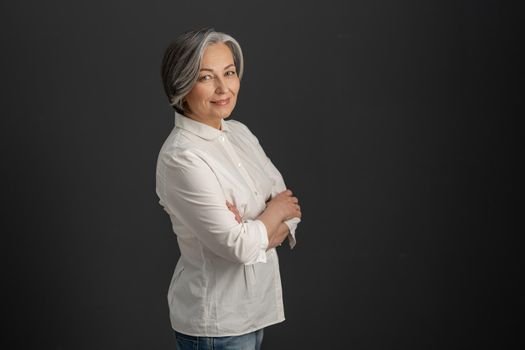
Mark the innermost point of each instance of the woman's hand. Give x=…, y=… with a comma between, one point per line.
x=234, y=210
x=285, y=204
x=279, y=209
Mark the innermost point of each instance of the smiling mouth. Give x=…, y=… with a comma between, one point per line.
x=221, y=102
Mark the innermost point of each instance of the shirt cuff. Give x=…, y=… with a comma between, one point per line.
x=292, y=225
x=263, y=245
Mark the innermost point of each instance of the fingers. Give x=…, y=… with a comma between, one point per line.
x=287, y=192
x=292, y=199
x=231, y=206
x=234, y=210
x=298, y=209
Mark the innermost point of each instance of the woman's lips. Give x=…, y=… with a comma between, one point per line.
x=221, y=102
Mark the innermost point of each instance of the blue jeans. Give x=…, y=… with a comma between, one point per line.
x=249, y=341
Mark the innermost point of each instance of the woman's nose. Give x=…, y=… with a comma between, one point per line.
x=221, y=86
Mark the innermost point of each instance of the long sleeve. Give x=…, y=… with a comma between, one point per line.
x=278, y=184
x=190, y=191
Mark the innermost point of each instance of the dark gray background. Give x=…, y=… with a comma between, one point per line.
x=392, y=121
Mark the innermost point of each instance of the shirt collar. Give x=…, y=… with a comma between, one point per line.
x=198, y=128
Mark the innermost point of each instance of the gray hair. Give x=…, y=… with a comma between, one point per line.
x=182, y=59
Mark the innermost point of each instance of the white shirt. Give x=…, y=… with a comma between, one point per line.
x=225, y=283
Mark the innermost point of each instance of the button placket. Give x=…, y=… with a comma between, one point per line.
x=233, y=155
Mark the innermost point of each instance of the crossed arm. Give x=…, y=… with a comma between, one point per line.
x=275, y=238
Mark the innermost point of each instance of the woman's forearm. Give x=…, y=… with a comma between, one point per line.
x=278, y=209
x=276, y=228
x=279, y=236
x=272, y=221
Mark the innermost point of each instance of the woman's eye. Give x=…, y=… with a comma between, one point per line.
x=232, y=72
x=204, y=77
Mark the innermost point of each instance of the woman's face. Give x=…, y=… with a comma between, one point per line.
x=214, y=94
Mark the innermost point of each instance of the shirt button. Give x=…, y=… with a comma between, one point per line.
x=239, y=164
x=222, y=138
x=255, y=193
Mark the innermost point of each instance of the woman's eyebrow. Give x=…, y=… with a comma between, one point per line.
x=211, y=70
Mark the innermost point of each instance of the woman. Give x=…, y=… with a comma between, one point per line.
x=227, y=202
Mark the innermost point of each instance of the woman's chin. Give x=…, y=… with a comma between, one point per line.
x=224, y=114
x=224, y=109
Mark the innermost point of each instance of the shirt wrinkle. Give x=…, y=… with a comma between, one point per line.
x=225, y=282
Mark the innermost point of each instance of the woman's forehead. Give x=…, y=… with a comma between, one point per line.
x=217, y=55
